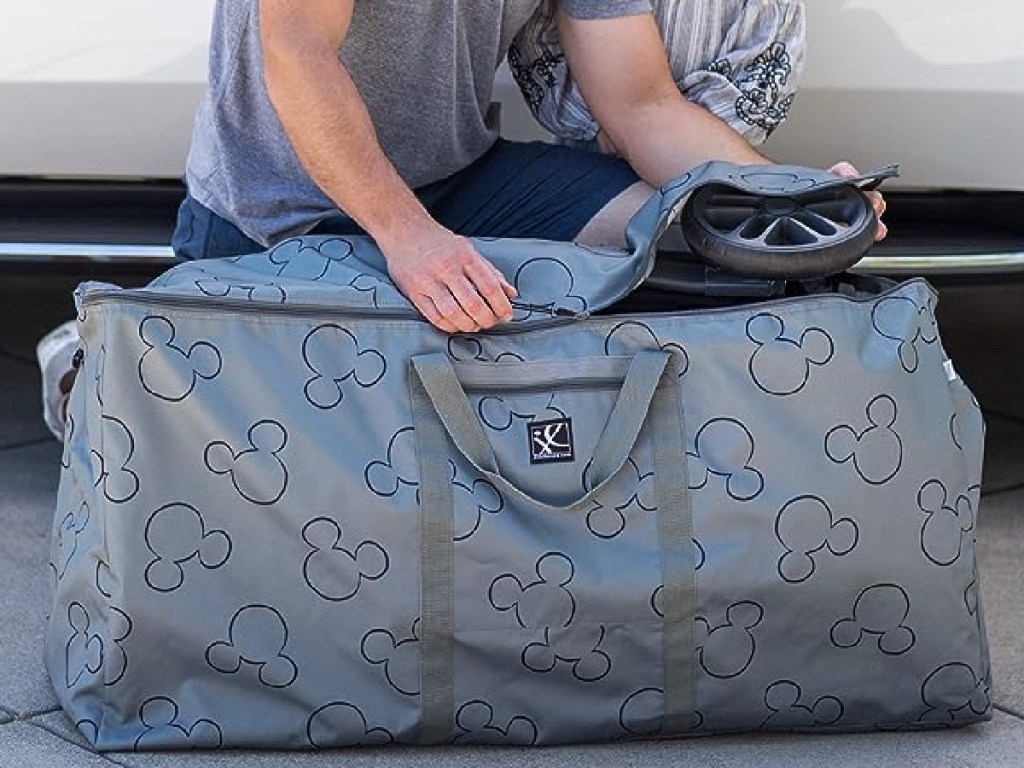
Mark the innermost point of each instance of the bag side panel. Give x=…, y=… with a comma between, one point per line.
x=76, y=639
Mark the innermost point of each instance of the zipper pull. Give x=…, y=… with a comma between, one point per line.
x=77, y=358
x=550, y=309
x=563, y=312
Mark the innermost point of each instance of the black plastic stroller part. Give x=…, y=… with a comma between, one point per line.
x=814, y=234
x=680, y=272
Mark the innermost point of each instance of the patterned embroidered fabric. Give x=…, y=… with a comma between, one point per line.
x=739, y=59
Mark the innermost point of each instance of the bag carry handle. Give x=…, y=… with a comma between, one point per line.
x=441, y=410
x=647, y=369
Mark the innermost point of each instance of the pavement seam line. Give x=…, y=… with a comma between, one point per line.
x=24, y=717
x=39, y=713
x=53, y=732
x=1007, y=711
x=988, y=494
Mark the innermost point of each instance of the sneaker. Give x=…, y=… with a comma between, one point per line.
x=55, y=352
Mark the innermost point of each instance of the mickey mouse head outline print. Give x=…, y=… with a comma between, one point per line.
x=341, y=722
x=160, y=717
x=946, y=708
x=257, y=637
x=334, y=572
x=807, y=527
x=876, y=452
x=948, y=522
x=303, y=258
x=71, y=527
x=911, y=327
x=336, y=358
x=725, y=448
x=628, y=336
x=464, y=348
x=398, y=471
x=789, y=707
x=783, y=365
x=167, y=369
x=113, y=467
x=879, y=612
x=399, y=658
x=257, y=472
x=83, y=651
x=727, y=650
x=176, y=535
x=641, y=714
x=476, y=723
x=608, y=517
x=500, y=414
x=546, y=605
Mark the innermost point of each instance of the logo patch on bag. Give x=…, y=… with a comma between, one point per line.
x=551, y=441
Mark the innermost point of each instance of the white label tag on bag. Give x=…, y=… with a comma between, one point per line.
x=951, y=373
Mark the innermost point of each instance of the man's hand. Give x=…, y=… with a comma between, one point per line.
x=451, y=284
x=847, y=171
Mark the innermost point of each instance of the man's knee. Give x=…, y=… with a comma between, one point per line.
x=607, y=228
x=201, y=234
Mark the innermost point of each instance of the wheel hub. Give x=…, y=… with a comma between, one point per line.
x=780, y=206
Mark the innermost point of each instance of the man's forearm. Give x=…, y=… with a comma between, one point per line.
x=666, y=138
x=329, y=126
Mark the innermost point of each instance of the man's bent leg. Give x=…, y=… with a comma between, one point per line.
x=608, y=227
x=533, y=190
x=202, y=234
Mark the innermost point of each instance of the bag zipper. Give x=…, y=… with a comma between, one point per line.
x=556, y=315
x=588, y=384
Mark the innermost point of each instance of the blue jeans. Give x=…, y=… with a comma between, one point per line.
x=517, y=189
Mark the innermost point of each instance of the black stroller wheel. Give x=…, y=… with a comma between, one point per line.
x=790, y=238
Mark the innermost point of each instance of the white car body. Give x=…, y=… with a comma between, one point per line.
x=107, y=90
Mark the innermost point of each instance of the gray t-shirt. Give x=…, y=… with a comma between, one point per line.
x=425, y=70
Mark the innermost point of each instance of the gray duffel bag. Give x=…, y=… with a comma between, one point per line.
x=293, y=514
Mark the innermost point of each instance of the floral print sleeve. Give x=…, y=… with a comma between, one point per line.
x=742, y=61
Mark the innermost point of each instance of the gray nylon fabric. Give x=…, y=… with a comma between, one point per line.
x=247, y=487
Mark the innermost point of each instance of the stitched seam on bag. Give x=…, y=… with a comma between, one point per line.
x=102, y=499
x=789, y=307
x=983, y=650
x=810, y=305
x=626, y=623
